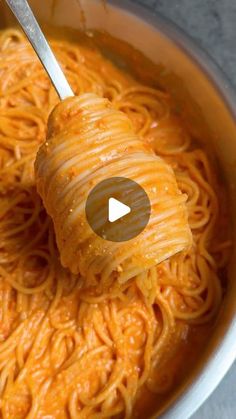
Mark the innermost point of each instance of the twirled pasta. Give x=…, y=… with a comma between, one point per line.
x=88, y=142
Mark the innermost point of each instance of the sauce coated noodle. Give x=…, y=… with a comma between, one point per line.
x=66, y=351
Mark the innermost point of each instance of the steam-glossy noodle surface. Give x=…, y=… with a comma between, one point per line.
x=66, y=351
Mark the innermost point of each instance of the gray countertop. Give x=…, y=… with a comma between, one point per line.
x=212, y=23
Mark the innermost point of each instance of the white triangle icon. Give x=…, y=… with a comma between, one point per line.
x=117, y=210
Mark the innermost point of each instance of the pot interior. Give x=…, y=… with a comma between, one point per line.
x=169, y=60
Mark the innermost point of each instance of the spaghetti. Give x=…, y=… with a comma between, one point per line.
x=65, y=350
x=91, y=141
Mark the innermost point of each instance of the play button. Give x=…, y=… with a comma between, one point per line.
x=117, y=209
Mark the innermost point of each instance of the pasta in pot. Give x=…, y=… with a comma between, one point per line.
x=67, y=351
x=88, y=142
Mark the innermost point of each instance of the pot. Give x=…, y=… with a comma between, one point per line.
x=193, y=79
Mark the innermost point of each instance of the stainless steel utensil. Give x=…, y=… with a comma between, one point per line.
x=30, y=26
